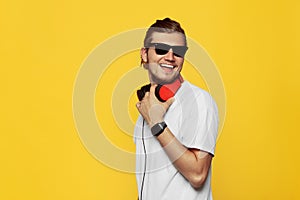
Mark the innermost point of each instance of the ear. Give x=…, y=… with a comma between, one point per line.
x=144, y=55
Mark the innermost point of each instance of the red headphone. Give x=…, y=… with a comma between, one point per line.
x=162, y=91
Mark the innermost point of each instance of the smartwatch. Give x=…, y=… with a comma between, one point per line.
x=158, y=128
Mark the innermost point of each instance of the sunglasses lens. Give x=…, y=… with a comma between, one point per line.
x=179, y=51
x=163, y=49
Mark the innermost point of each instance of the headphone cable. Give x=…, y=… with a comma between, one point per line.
x=145, y=152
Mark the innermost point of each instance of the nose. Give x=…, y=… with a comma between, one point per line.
x=170, y=55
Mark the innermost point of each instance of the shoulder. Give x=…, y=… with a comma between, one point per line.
x=191, y=93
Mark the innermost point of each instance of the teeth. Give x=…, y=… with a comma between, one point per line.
x=168, y=66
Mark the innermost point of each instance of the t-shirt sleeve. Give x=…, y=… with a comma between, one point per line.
x=199, y=128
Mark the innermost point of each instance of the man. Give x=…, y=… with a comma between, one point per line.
x=175, y=139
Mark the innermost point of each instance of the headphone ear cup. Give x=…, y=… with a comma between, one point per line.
x=141, y=92
x=164, y=92
x=158, y=93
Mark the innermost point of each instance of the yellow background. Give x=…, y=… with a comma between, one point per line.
x=255, y=45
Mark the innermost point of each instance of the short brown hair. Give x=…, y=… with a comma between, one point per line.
x=163, y=26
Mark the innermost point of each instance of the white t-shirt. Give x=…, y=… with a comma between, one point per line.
x=193, y=119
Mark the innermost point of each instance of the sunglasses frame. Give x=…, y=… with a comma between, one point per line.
x=163, y=49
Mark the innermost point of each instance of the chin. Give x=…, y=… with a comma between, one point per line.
x=164, y=80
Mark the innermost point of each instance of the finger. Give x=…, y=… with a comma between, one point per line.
x=152, y=88
x=169, y=102
x=146, y=94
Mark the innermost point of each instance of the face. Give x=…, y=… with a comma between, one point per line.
x=163, y=68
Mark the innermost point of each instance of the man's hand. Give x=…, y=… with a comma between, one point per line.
x=151, y=108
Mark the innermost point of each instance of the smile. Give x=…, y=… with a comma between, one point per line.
x=167, y=66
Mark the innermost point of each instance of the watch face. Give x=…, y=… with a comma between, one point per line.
x=155, y=129
x=158, y=128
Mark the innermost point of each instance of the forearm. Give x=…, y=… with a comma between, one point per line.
x=191, y=163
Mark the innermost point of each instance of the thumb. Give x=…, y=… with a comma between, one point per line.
x=169, y=102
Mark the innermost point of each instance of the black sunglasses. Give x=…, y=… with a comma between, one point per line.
x=163, y=49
